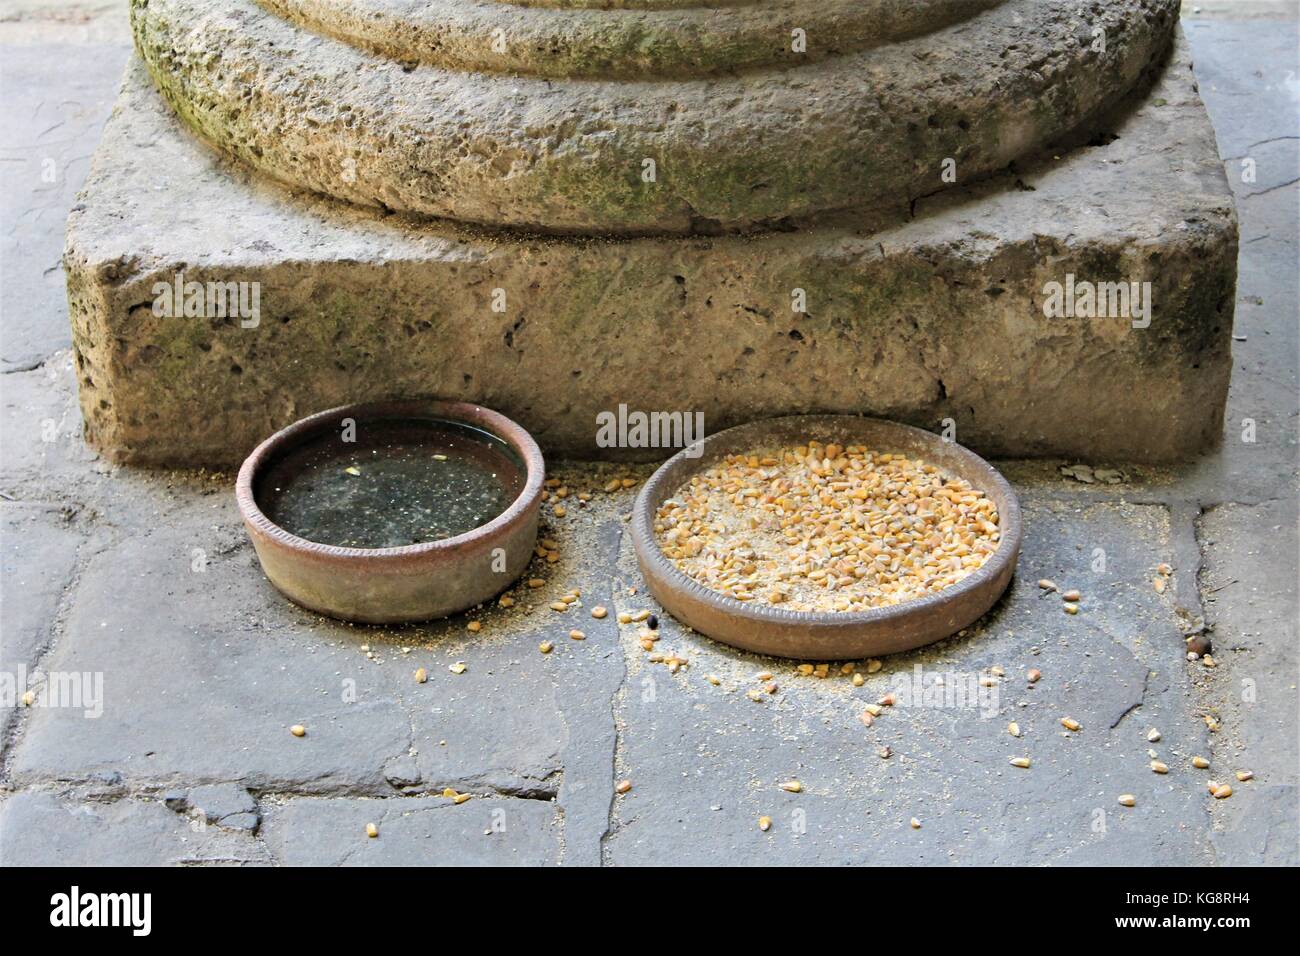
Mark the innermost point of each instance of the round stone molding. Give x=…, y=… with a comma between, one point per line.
x=770, y=146
x=633, y=42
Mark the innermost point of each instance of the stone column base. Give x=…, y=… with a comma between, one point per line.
x=922, y=315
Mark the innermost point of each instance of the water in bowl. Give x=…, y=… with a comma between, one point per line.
x=399, y=482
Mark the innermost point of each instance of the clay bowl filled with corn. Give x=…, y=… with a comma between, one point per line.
x=827, y=537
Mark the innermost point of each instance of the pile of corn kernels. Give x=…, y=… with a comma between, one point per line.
x=826, y=528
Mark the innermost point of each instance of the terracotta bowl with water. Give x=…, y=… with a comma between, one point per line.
x=396, y=511
x=827, y=635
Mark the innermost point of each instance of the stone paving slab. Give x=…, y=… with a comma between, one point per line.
x=421, y=831
x=38, y=557
x=53, y=119
x=707, y=761
x=1253, y=689
x=38, y=828
x=40, y=428
x=1242, y=68
x=199, y=686
x=181, y=613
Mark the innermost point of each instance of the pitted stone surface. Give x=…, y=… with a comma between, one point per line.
x=728, y=153
x=937, y=317
x=666, y=43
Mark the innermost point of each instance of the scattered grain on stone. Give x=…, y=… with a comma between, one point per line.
x=421, y=675
x=1127, y=800
x=372, y=831
x=298, y=730
x=792, y=786
x=1069, y=723
x=623, y=786
x=598, y=612
x=1200, y=763
x=546, y=647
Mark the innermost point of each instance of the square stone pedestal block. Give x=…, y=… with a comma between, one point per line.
x=933, y=315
